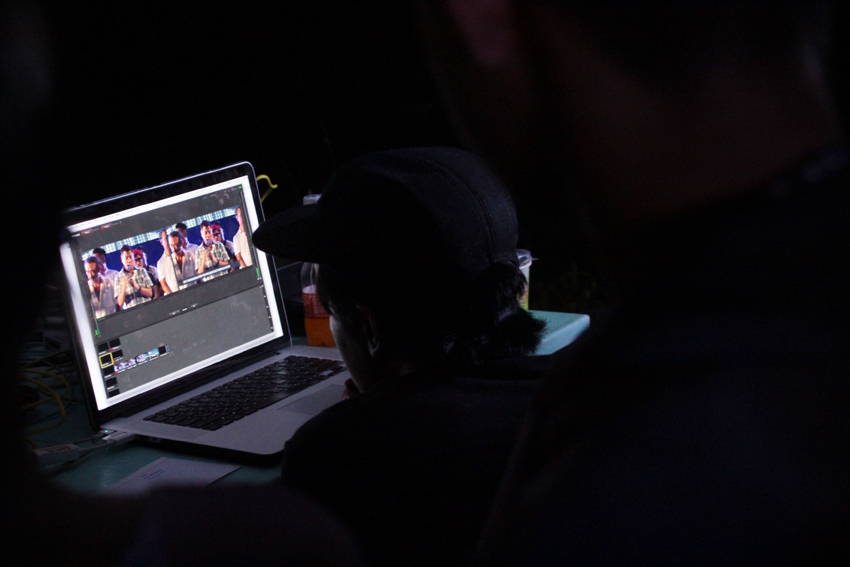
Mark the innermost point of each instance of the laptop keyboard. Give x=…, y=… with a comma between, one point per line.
x=261, y=388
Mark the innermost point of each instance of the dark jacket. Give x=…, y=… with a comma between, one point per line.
x=412, y=466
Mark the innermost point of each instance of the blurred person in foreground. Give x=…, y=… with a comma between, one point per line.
x=695, y=147
x=418, y=269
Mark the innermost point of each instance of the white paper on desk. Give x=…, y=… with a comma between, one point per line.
x=170, y=472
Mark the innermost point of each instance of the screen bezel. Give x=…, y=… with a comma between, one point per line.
x=140, y=198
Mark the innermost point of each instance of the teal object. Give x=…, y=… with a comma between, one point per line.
x=101, y=469
x=561, y=329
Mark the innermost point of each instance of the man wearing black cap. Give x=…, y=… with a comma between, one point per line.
x=418, y=267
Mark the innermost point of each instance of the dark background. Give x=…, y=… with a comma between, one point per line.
x=144, y=93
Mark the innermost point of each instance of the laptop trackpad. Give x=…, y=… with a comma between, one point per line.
x=318, y=402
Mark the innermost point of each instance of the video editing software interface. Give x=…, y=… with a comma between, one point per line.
x=164, y=305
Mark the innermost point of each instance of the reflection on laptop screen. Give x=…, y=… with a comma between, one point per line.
x=162, y=290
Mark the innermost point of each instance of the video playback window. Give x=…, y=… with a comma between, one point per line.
x=133, y=271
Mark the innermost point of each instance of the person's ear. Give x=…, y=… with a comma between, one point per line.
x=371, y=328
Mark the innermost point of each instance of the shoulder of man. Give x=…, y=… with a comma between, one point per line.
x=329, y=436
x=521, y=368
x=363, y=415
x=396, y=402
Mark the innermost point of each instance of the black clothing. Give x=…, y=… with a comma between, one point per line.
x=244, y=525
x=705, y=420
x=412, y=466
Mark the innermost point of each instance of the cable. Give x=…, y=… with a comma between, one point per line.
x=44, y=388
x=272, y=186
x=37, y=372
x=49, y=377
x=68, y=452
x=53, y=375
x=44, y=418
x=96, y=437
x=45, y=358
x=48, y=391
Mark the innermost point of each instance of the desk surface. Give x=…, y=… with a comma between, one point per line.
x=101, y=469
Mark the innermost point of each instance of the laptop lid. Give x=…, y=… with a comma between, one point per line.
x=137, y=340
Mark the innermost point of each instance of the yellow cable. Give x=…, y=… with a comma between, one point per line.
x=45, y=428
x=272, y=186
x=31, y=405
x=64, y=394
x=51, y=394
x=48, y=391
x=46, y=357
x=50, y=375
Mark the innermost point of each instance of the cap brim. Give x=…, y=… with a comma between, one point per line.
x=290, y=234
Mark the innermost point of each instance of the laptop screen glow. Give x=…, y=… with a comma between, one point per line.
x=168, y=305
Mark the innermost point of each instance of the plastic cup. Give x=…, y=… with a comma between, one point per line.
x=525, y=260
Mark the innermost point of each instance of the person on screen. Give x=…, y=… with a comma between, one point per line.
x=165, y=261
x=166, y=255
x=141, y=261
x=100, y=253
x=240, y=242
x=176, y=265
x=133, y=286
x=188, y=246
x=210, y=254
x=218, y=236
x=100, y=289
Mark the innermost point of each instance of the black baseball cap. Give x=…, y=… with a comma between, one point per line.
x=412, y=225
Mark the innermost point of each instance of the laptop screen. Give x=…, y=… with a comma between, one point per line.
x=165, y=282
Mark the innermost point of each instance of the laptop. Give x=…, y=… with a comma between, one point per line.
x=185, y=338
